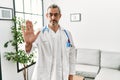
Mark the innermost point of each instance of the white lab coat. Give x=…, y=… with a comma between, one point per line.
x=46, y=49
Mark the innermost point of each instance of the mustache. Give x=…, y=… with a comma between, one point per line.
x=53, y=20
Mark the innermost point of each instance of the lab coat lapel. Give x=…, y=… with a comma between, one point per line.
x=49, y=39
x=46, y=32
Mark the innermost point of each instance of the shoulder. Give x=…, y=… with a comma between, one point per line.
x=65, y=29
x=44, y=29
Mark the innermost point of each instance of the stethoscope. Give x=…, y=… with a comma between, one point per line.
x=68, y=43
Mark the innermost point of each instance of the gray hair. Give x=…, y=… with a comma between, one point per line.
x=54, y=6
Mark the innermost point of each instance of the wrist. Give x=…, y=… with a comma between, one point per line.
x=70, y=77
x=28, y=47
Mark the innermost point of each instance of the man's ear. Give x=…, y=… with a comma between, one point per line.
x=47, y=15
x=60, y=15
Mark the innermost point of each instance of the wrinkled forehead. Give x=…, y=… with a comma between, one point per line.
x=53, y=10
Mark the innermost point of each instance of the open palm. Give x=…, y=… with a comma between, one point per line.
x=28, y=33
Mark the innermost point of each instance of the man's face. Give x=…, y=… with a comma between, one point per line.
x=53, y=16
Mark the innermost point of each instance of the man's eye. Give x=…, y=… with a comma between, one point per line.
x=55, y=14
x=50, y=14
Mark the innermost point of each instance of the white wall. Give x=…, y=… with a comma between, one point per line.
x=9, y=69
x=99, y=28
x=100, y=22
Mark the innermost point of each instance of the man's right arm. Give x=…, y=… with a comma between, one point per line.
x=28, y=47
x=28, y=35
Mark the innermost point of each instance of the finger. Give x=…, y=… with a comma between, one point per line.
x=23, y=31
x=37, y=34
x=29, y=25
x=28, y=22
x=23, y=28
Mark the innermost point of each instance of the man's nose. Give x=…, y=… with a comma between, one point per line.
x=53, y=16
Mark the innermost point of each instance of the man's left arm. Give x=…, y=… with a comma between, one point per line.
x=72, y=60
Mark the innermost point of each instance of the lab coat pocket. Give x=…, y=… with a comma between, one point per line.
x=67, y=50
x=45, y=43
x=46, y=47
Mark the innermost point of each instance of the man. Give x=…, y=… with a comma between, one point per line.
x=56, y=51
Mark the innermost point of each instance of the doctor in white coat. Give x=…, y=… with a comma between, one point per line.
x=56, y=51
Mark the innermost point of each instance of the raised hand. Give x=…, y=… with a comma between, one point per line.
x=28, y=33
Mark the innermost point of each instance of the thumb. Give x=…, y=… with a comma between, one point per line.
x=37, y=34
x=22, y=28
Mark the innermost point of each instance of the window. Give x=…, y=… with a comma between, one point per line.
x=29, y=10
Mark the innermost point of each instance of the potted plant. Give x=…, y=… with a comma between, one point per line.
x=19, y=55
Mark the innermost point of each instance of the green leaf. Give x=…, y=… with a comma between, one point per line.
x=20, y=55
x=6, y=44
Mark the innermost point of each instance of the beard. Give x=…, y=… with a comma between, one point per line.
x=54, y=23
